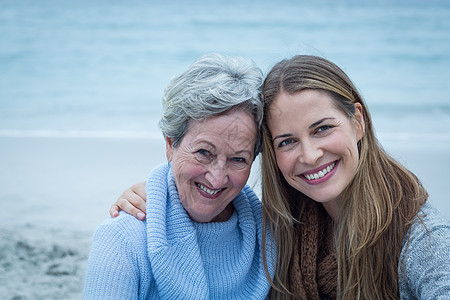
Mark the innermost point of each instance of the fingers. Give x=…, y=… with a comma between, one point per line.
x=132, y=205
x=139, y=189
x=114, y=211
x=131, y=201
x=137, y=196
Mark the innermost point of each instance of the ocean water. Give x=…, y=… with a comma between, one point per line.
x=99, y=68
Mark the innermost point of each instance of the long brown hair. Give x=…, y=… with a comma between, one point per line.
x=376, y=208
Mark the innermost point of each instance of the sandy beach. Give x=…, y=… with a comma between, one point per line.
x=56, y=191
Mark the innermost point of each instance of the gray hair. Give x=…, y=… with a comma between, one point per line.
x=214, y=84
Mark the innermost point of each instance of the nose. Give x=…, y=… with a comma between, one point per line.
x=310, y=152
x=217, y=174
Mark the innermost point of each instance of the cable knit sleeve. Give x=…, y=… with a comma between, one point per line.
x=424, y=268
x=117, y=266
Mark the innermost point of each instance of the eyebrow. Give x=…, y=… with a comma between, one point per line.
x=282, y=136
x=310, y=127
x=206, y=142
x=240, y=152
x=249, y=152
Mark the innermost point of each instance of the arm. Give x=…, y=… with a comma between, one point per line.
x=132, y=201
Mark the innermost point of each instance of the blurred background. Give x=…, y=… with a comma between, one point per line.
x=81, y=85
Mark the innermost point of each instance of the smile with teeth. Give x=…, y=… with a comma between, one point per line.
x=321, y=173
x=205, y=189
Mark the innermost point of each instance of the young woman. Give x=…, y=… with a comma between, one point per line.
x=349, y=221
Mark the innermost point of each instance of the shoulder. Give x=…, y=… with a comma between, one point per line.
x=124, y=230
x=429, y=235
x=424, y=266
x=429, y=225
x=124, y=222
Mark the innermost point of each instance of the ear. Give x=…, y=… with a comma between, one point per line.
x=359, y=118
x=169, y=149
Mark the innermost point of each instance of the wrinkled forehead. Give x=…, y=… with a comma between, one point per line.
x=226, y=122
x=233, y=127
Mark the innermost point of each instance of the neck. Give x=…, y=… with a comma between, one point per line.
x=332, y=209
x=225, y=215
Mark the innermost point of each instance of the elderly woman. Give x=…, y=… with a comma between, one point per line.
x=202, y=238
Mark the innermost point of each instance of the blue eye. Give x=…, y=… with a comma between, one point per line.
x=324, y=128
x=240, y=163
x=204, y=156
x=286, y=142
x=239, y=159
x=204, y=152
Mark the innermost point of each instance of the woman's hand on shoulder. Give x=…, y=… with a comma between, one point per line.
x=132, y=201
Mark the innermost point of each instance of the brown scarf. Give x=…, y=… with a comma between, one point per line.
x=314, y=268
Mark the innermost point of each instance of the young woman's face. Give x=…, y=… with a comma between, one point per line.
x=315, y=144
x=212, y=163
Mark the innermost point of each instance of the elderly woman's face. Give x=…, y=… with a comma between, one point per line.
x=212, y=163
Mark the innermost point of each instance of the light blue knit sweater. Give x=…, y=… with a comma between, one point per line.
x=169, y=256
